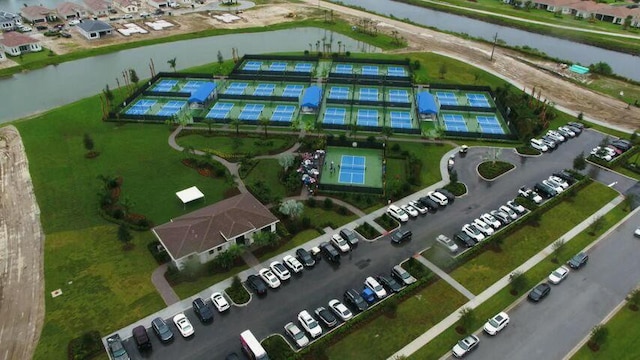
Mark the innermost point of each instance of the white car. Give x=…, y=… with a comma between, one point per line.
x=421, y=209
x=127, y=16
x=603, y=153
x=184, y=325
x=530, y=194
x=465, y=346
x=74, y=22
x=539, y=145
x=280, y=270
x=558, y=275
x=410, y=210
x=219, y=302
x=637, y=232
x=448, y=243
x=397, y=213
x=556, y=135
x=296, y=334
x=402, y=275
x=340, y=310
x=490, y=220
x=25, y=28
x=560, y=181
x=438, y=198
x=496, y=323
x=512, y=214
x=293, y=264
x=567, y=130
x=340, y=243
x=268, y=277
x=553, y=185
x=483, y=227
x=516, y=207
x=474, y=233
x=375, y=286
x=309, y=324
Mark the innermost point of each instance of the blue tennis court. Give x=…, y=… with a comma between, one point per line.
x=478, y=100
x=400, y=96
x=400, y=119
x=302, y=67
x=447, y=98
x=344, y=69
x=251, y=112
x=293, y=90
x=264, y=89
x=191, y=86
x=352, y=169
x=168, y=83
x=283, y=113
x=278, y=66
x=339, y=92
x=146, y=102
x=370, y=94
x=367, y=117
x=489, y=125
x=162, y=88
x=252, y=65
x=396, y=71
x=369, y=70
x=220, y=110
x=138, y=110
x=236, y=88
x=455, y=122
x=334, y=115
x=171, y=108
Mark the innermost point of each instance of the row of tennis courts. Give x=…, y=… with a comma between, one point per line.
x=460, y=98
x=371, y=70
x=485, y=123
x=223, y=110
x=279, y=66
x=368, y=94
x=397, y=119
x=159, y=107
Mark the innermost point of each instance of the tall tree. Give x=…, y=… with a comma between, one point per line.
x=264, y=122
x=235, y=122
x=209, y=123
x=286, y=160
x=108, y=94
x=442, y=70
x=133, y=76
x=172, y=63
x=292, y=208
x=220, y=58
x=88, y=142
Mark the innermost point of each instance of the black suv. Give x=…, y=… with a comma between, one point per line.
x=353, y=297
x=429, y=204
x=400, y=236
x=579, y=260
x=141, y=338
x=202, y=310
x=257, y=284
x=350, y=236
x=465, y=239
x=161, y=329
x=545, y=190
x=539, y=292
x=330, y=252
x=389, y=283
x=305, y=258
x=326, y=317
x=566, y=176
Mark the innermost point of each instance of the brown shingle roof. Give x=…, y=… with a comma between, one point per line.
x=68, y=8
x=211, y=226
x=557, y=3
x=14, y=38
x=96, y=5
x=35, y=12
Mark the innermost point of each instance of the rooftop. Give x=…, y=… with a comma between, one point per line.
x=14, y=38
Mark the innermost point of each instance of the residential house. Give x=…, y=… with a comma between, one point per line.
x=635, y=17
x=561, y=6
x=68, y=10
x=158, y=4
x=201, y=235
x=127, y=6
x=586, y=9
x=9, y=21
x=38, y=14
x=15, y=43
x=97, y=7
x=94, y=29
x=613, y=14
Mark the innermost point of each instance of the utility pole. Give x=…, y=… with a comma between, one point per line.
x=495, y=40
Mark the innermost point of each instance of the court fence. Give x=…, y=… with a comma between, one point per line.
x=376, y=80
x=240, y=73
x=333, y=141
x=350, y=188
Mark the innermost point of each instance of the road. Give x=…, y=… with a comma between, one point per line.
x=317, y=286
x=551, y=328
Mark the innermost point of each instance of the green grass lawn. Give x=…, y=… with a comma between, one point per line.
x=488, y=267
x=298, y=240
x=320, y=217
x=623, y=328
x=267, y=170
x=186, y=289
x=430, y=155
x=253, y=145
x=98, y=280
x=383, y=336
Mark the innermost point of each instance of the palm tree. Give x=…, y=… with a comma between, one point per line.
x=236, y=123
x=172, y=63
x=264, y=122
x=209, y=123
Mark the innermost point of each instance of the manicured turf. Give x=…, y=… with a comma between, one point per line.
x=430, y=155
x=298, y=240
x=268, y=171
x=321, y=217
x=621, y=343
x=224, y=144
x=186, y=289
x=383, y=336
x=98, y=280
x=485, y=269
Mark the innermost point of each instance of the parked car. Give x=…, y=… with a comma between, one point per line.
x=429, y=204
x=269, y=278
x=557, y=187
x=330, y=252
x=438, y=198
x=116, y=348
x=465, y=346
x=402, y=275
x=519, y=209
x=579, y=260
x=447, y=194
x=298, y=336
x=340, y=310
x=529, y=194
x=42, y=27
x=474, y=233
x=421, y=208
x=576, y=124
x=375, y=286
x=603, y=153
x=315, y=253
x=559, y=181
x=550, y=142
x=73, y=22
x=125, y=16
x=219, y=301
x=558, y=275
x=496, y=323
x=539, y=292
x=280, y=271
x=556, y=135
x=465, y=239
x=184, y=325
x=566, y=176
x=65, y=35
x=389, y=283
x=448, y=243
x=368, y=295
x=490, y=220
x=621, y=144
x=502, y=216
x=140, y=336
x=305, y=258
x=507, y=210
x=410, y=210
x=340, y=243
x=202, y=310
x=25, y=28
x=637, y=232
x=397, y=213
x=615, y=150
x=257, y=284
x=401, y=236
x=576, y=130
x=162, y=330
x=566, y=132
x=293, y=264
x=309, y=324
x=350, y=236
x=538, y=145
x=483, y=227
x=326, y=317
x=354, y=298
x=545, y=190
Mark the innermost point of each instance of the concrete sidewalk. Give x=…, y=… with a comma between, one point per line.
x=450, y=320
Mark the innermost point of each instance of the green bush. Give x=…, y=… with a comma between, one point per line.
x=387, y=222
x=160, y=256
x=415, y=268
x=311, y=202
x=277, y=347
x=328, y=204
x=493, y=169
x=368, y=231
x=236, y=292
x=85, y=347
x=457, y=189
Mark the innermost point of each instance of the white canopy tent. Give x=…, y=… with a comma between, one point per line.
x=189, y=195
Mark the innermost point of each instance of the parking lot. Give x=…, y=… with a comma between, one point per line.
x=267, y=315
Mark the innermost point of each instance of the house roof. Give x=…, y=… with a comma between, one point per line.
x=14, y=39
x=557, y=3
x=90, y=26
x=96, y=5
x=125, y=3
x=34, y=12
x=211, y=226
x=68, y=8
x=588, y=6
x=618, y=11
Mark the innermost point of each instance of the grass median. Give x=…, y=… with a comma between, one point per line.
x=623, y=328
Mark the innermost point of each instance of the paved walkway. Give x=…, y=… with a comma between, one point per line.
x=162, y=286
x=450, y=320
x=444, y=276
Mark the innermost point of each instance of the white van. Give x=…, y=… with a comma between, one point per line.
x=252, y=347
x=539, y=145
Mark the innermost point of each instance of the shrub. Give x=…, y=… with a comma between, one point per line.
x=415, y=268
x=328, y=203
x=311, y=202
x=157, y=251
x=306, y=222
x=368, y=231
x=343, y=210
x=236, y=292
x=395, y=147
x=277, y=347
x=85, y=347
